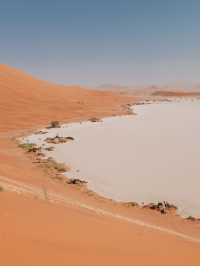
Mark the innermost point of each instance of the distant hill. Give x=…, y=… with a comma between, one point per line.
x=174, y=88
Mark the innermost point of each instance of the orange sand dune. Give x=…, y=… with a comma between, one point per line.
x=26, y=102
x=35, y=232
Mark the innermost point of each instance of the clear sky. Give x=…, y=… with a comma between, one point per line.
x=106, y=41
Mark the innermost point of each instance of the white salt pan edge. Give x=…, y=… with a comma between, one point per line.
x=150, y=157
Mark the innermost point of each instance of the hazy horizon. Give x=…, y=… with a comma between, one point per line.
x=108, y=42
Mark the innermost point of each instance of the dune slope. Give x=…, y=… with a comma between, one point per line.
x=35, y=232
x=26, y=102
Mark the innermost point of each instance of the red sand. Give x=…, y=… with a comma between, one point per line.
x=35, y=232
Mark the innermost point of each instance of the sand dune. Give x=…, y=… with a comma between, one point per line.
x=35, y=232
x=26, y=102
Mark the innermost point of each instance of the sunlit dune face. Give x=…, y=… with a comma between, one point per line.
x=26, y=101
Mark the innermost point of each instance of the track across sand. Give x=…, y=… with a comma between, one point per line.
x=41, y=193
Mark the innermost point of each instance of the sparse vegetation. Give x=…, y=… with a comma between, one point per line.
x=76, y=181
x=29, y=147
x=95, y=119
x=54, y=124
x=60, y=167
x=191, y=218
x=58, y=140
x=131, y=204
x=69, y=138
x=41, y=132
x=163, y=207
x=49, y=148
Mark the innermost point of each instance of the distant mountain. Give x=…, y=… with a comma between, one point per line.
x=174, y=87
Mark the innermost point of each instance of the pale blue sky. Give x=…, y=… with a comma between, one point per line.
x=97, y=42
